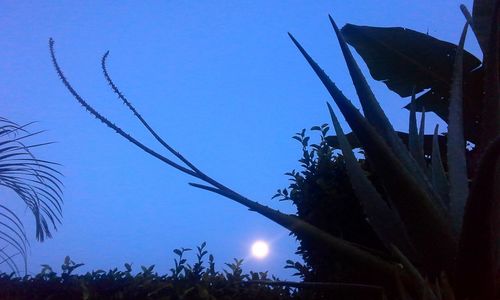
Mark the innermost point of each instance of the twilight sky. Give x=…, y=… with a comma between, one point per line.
x=219, y=80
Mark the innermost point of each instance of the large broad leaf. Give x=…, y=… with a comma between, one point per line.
x=404, y=58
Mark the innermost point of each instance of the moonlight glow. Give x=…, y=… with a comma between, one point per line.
x=260, y=249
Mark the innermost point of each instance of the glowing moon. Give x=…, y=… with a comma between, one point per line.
x=260, y=249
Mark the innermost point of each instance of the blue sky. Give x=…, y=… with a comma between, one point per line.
x=221, y=82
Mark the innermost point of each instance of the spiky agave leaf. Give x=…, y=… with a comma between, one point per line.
x=425, y=224
x=377, y=118
x=415, y=138
x=439, y=179
x=384, y=220
x=457, y=169
x=36, y=183
x=421, y=132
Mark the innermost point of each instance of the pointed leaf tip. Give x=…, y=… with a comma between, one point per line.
x=335, y=27
x=456, y=143
x=466, y=14
x=439, y=180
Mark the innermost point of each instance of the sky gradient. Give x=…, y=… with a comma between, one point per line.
x=219, y=80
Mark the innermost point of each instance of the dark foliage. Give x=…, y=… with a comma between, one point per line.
x=404, y=59
x=323, y=196
x=34, y=181
x=185, y=281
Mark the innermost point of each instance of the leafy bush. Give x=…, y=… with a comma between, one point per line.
x=323, y=196
x=185, y=281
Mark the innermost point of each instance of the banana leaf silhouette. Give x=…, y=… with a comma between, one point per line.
x=403, y=59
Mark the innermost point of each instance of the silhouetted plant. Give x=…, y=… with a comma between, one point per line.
x=323, y=196
x=365, y=261
x=208, y=284
x=451, y=230
x=427, y=217
x=35, y=182
x=407, y=62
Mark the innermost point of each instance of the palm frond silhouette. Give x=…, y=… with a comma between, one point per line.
x=35, y=182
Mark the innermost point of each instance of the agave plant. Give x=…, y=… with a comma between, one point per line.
x=35, y=182
x=450, y=230
x=431, y=207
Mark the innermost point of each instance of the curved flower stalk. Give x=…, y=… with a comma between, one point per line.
x=35, y=182
x=362, y=259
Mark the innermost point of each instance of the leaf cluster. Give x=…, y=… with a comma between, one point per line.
x=36, y=182
x=323, y=196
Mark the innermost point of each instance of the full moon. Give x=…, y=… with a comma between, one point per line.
x=260, y=249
